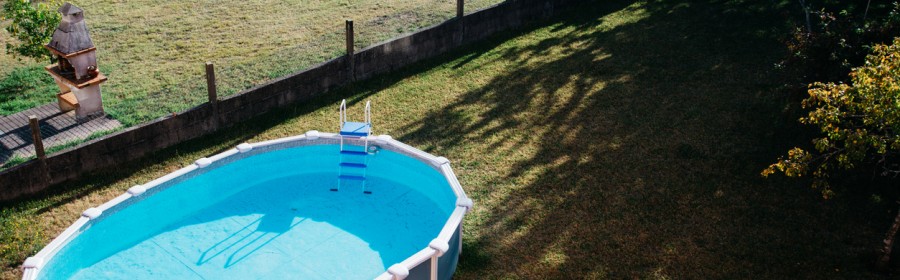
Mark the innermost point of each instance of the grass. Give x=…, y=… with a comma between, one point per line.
x=154, y=53
x=26, y=87
x=16, y=160
x=622, y=139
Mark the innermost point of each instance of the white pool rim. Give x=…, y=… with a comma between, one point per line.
x=451, y=231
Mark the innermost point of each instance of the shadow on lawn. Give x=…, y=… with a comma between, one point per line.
x=635, y=152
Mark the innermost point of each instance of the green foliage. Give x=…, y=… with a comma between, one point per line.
x=32, y=24
x=839, y=37
x=18, y=238
x=860, y=122
x=15, y=160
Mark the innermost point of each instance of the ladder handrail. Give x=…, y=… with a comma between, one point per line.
x=369, y=113
x=369, y=123
x=342, y=116
x=368, y=128
x=343, y=113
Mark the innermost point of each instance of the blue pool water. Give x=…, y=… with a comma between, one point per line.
x=267, y=216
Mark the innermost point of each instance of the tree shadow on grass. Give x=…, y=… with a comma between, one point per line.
x=628, y=145
x=625, y=140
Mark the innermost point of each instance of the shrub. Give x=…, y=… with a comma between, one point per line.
x=18, y=239
x=859, y=125
x=838, y=37
x=30, y=24
x=859, y=122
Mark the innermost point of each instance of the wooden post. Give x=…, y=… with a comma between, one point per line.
x=349, y=31
x=350, y=63
x=460, y=28
x=212, y=94
x=39, y=149
x=36, y=136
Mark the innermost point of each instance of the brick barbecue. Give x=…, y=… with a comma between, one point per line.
x=76, y=72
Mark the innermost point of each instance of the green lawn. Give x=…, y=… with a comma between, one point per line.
x=154, y=52
x=623, y=139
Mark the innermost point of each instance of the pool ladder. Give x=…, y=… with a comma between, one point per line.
x=354, y=162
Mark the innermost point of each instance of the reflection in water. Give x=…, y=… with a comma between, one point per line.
x=269, y=228
x=287, y=226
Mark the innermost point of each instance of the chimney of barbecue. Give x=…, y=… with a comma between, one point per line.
x=76, y=72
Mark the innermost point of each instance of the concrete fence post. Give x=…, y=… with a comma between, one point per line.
x=212, y=94
x=348, y=29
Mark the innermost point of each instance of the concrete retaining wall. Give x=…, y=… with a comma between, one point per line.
x=139, y=141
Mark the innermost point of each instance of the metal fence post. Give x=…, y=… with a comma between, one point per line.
x=460, y=4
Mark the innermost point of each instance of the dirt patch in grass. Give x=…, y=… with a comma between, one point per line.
x=619, y=140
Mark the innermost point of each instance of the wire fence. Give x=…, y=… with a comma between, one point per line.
x=158, y=93
x=57, y=130
x=237, y=73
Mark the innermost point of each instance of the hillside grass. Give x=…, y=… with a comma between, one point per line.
x=621, y=139
x=154, y=52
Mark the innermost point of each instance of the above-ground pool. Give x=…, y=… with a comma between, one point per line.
x=268, y=211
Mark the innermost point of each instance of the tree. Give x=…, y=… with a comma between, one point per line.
x=32, y=25
x=836, y=36
x=860, y=125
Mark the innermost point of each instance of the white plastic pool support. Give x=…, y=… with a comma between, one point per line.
x=440, y=247
x=312, y=135
x=383, y=139
x=203, y=162
x=91, y=213
x=33, y=262
x=441, y=161
x=244, y=147
x=399, y=271
x=464, y=202
x=434, y=267
x=136, y=190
